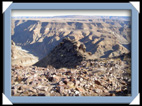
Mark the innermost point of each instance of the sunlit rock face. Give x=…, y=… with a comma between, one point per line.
x=21, y=57
x=99, y=34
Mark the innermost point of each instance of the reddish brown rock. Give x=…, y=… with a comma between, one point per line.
x=97, y=82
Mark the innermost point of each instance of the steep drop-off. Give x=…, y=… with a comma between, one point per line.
x=100, y=36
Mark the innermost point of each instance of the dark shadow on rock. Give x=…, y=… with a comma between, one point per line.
x=41, y=49
x=78, y=25
x=21, y=34
x=67, y=54
x=100, y=25
x=107, y=53
x=43, y=26
x=115, y=47
x=90, y=47
x=70, y=23
x=96, y=45
x=127, y=46
x=23, y=37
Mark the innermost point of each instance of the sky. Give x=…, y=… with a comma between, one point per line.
x=44, y=13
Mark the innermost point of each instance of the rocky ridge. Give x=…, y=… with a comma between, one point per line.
x=68, y=54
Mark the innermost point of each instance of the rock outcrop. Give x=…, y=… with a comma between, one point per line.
x=68, y=53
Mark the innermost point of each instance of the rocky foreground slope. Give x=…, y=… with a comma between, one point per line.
x=111, y=77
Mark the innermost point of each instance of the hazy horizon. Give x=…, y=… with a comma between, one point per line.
x=52, y=13
x=73, y=15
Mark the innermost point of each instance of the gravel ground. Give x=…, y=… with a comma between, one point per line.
x=110, y=77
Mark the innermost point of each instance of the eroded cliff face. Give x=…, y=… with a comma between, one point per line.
x=21, y=57
x=41, y=36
